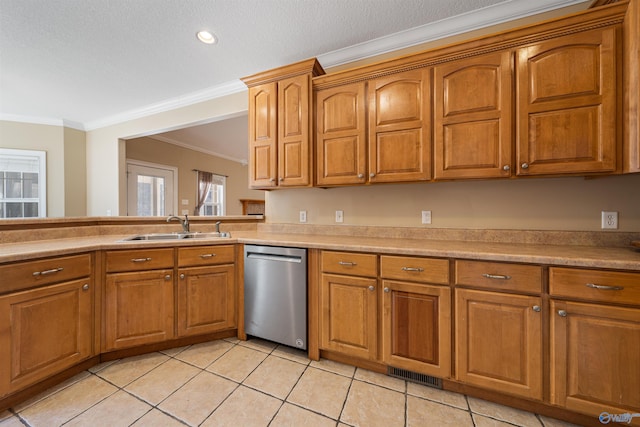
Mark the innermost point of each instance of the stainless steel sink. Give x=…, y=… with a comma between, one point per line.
x=178, y=236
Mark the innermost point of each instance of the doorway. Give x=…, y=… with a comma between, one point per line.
x=151, y=189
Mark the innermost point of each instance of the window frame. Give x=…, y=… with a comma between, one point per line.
x=221, y=181
x=42, y=179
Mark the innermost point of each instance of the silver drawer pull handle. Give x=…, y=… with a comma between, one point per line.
x=85, y=287
x=167, y=277
x=140, y=259
x=496, y=276
x=372, y=288
x=387, y=290
x=604, y=287
x=347, y=263
x=45, y=272
x=207, y=255
x=418, y=269
x=562, y=313
x=536, y=308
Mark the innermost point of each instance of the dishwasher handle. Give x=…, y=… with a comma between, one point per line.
x=274, y=257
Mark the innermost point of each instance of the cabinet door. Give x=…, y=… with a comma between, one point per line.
x=473, y=109
x=206, y=300
x=263, y=135
x=567, y=119
x=341, y=132
x=399, y=127
x=348, y=315
x=294, y=131
x=416, y=327
x=139, y=308
x=499, y=342
x=44, y=331
x=595, y=366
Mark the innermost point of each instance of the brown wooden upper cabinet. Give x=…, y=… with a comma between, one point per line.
x=396, y=146
x=280, y=117
x=567, y=119
x=472, y=121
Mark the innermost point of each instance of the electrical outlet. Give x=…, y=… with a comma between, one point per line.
x=426, y=217
x=339, y=216
x=185, y=202
x=609, y=220
x=303, y=216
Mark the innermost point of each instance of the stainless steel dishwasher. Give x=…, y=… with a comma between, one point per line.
x=275, y=294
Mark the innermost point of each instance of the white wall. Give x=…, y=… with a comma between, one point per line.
x=106, y=186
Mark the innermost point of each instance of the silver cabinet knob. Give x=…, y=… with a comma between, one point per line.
x=85, y=287
x=536, y=308
x=562, y=313
x=387, y=290
x=372, y=288
x=182, y=276
x=372, y=175
x=360, y=175
x=506, y=168
x=272, y=179
x=167, y=277
x=281, y=179
x=525, y=166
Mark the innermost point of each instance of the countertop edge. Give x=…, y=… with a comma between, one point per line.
x=557, y=255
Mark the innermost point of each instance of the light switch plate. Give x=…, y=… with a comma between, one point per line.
x=339, y=216
x=303, y=216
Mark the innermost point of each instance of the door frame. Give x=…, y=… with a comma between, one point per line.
x=172, y=169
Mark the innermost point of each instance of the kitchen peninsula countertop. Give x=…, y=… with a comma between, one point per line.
x=623, y=258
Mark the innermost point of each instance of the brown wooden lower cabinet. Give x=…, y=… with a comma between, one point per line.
x=44, y=331
x=595, y=358
x=349, y=315
x=206, y=299
x=416, y=327
x=498, y=341
x=138, y=308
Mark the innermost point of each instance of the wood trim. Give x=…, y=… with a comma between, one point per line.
x=522, y=403
x=164, y=345
x=631, y=84
x=22, y=395
x=311, y=66
x=313, y=298
x=578, y=22
x=240, y=291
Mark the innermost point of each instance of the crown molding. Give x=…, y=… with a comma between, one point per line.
x=470, y=21
x=243, y=162
x=464, y=23
x=213, y=92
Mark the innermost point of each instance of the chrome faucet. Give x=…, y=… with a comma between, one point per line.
x=218, y=226
x=184, y=222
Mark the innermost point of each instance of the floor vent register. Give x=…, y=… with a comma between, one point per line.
x=415, y=377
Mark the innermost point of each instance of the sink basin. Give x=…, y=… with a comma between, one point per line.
x=177, y=236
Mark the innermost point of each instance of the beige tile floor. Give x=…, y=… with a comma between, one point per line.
x=253, y=383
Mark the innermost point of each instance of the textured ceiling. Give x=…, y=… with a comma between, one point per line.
x=86, y=61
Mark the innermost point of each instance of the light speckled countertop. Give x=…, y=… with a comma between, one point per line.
x=622, y=258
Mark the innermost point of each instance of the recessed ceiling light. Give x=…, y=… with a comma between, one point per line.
x=206, y=37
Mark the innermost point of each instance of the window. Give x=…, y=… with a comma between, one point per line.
x=211, y=194
x=23, y=183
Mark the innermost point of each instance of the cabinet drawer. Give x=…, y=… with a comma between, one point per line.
x=415, y=269
x=350, y=263
x=206, y=255
x=30, y=274
x=595, y=285
x=499, y=276
x=139, y=259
